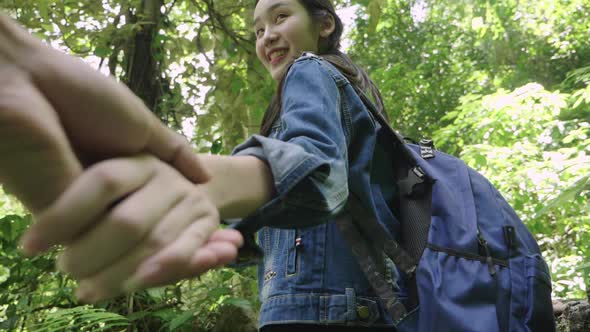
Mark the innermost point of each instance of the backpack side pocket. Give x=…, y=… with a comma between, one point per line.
x=531, y=306
x=539, y=316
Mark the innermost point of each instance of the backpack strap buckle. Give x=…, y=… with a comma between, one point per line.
x=412, y=185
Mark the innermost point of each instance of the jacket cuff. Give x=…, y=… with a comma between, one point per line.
x=289, y=163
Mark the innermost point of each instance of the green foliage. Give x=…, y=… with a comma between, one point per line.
x=82, y=319
x=33, y=296
x=426, y=55
x=28, y=285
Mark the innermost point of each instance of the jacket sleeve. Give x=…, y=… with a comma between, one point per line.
x=308, y=157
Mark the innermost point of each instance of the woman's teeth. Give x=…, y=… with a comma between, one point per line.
x=277, y=54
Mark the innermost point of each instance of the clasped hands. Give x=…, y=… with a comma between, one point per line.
x=123, y=194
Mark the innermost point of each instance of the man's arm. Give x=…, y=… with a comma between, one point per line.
x=37, y=162
x=102, y=118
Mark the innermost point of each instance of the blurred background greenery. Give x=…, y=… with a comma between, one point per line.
x=504, y=85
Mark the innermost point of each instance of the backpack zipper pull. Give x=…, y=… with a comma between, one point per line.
x=489, y=259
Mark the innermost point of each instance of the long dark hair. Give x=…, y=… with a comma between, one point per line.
x=329, y=49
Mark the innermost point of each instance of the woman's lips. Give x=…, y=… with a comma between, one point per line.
x=283, y=51
x=278, y=59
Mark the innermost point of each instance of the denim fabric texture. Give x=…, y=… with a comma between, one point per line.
x=323, y=147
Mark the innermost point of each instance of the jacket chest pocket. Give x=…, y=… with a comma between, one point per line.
x=280, y=248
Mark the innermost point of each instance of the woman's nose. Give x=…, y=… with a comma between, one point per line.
x=270, y=36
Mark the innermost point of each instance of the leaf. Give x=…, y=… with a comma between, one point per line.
x=157, y=293
x=565, y=196
x=227, y=274
x=236, y=86
x=480, y=160
x=584, y=267
x=217, y=146
x=181, y=320
x=5, y=229
x=12, y=226
x=81, y=318
x=138, y=315
x=4, y=274
x=48, y=27
x=10, y=323
x=43, y=6
x=374, y=15
x=102, y=51
x=206, y=41
x=219, y=292
x=239, y=302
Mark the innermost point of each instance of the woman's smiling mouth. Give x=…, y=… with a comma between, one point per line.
x=277, y=55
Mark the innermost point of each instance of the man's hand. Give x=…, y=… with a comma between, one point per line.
x=36, y=160
x=101, y=117
x=63, y=105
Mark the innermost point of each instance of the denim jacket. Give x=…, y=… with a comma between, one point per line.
x=323, y=147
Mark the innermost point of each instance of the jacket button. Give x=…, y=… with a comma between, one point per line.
x=363, y=312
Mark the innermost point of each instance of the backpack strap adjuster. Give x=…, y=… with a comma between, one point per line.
x=411, y=186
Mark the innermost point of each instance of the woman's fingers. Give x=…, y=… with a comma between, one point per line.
x=85, y=200
x=227, y=235
x=166, y=267
x=160, y=202
x=219, y=251
x=185, y=259
x=113, y=280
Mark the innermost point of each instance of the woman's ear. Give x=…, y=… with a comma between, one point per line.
x=327, y=26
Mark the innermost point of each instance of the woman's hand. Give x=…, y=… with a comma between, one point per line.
x=131, y=223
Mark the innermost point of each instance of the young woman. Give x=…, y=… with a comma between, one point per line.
x=318, y=145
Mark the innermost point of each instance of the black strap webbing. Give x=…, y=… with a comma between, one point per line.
x=372, y=230
x=369, y=264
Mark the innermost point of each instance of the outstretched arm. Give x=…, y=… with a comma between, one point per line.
x=37, y=164
x=159, y=230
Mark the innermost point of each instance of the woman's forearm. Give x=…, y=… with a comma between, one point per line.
x=239, y=184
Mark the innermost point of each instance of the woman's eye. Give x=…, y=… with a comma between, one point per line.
x=259, y=32
x=280, y=17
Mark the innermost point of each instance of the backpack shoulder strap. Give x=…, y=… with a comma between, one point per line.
x=414, y=197
x=414, y=201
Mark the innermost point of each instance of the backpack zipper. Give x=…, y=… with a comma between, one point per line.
x=489, y=259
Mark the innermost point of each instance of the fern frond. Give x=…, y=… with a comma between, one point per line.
x=83, y=318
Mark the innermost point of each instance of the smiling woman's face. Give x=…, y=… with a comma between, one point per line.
x=283, y=30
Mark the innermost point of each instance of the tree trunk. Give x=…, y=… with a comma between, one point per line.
x=143, y=73
x=572, y=315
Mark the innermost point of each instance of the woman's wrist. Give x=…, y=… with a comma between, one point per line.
x=239, y=184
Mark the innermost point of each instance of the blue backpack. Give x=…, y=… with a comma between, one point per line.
x=467, y=260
